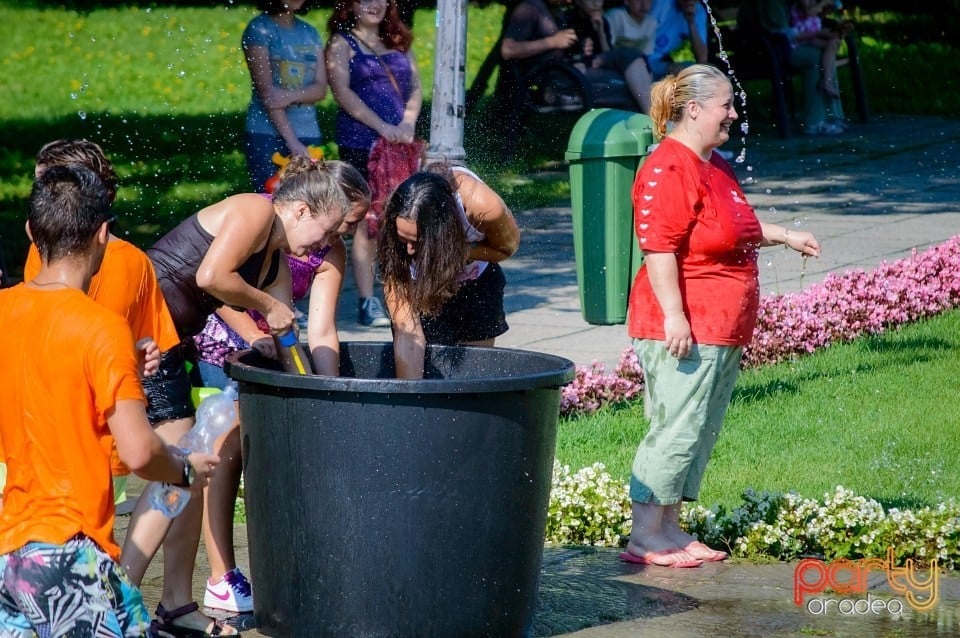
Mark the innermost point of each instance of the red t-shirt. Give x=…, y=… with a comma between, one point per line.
x=698, y=211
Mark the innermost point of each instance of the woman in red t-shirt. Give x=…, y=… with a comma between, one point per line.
x=693, y=305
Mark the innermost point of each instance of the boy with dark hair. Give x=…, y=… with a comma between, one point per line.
x=127, y=284
x=70, y=387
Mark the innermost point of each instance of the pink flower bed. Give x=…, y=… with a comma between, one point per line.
x=841, y=308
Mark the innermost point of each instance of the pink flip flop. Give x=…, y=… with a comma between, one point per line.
x=651, y=558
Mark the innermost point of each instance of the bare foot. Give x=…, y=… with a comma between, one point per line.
x=676, y=535
x=664, y=556
x=705, y=553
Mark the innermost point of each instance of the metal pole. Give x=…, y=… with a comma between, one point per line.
x=449, y=77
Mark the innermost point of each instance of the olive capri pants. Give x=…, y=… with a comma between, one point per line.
x=685, y=401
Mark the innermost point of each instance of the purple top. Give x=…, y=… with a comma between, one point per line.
x=217, y=339
x=370, y=82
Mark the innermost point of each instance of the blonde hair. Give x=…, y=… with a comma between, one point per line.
x=312, y=182
x=669, y=96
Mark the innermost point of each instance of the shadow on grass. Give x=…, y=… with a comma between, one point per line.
x=897, y=352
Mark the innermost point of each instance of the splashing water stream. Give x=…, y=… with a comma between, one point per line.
x=738, y=89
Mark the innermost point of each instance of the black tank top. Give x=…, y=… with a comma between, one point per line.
x=176, y=257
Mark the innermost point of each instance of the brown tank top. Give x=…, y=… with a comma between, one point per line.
x=177, y=256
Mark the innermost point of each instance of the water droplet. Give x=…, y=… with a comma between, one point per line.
x=82, y=115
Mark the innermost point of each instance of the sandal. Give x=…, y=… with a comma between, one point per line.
x=163, y=625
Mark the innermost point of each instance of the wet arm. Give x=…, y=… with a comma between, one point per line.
x=664, y=274
x=322, y=334
x=138, y=445
x=243, y=324
x=245, y=228
x=409, y=344
x=800, y=240
x=487, y=211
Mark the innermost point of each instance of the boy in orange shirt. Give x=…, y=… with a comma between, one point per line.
x=70, y=388
x=126, y=282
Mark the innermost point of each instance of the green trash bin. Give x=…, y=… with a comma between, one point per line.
x=605, y=150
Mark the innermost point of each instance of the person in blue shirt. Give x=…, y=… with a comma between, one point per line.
x=677, y=22
x=284, y=55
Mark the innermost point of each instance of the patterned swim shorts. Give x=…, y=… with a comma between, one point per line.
x=72, y=589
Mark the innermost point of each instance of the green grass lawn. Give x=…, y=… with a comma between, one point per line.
x=877, y=416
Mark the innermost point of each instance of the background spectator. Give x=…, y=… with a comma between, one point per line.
x=772, y=17
x=678, y=21
x=374, y=80
x=285, y=58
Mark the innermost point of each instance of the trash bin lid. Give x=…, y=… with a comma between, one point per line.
x=610, y=133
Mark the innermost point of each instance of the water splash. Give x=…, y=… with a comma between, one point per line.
x=738, y=90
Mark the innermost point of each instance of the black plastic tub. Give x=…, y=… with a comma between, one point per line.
x=381, y=507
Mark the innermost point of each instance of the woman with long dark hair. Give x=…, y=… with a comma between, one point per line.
x=442, y=236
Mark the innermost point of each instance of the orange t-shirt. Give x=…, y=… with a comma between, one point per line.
x=127, y=284
x=67, y=360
